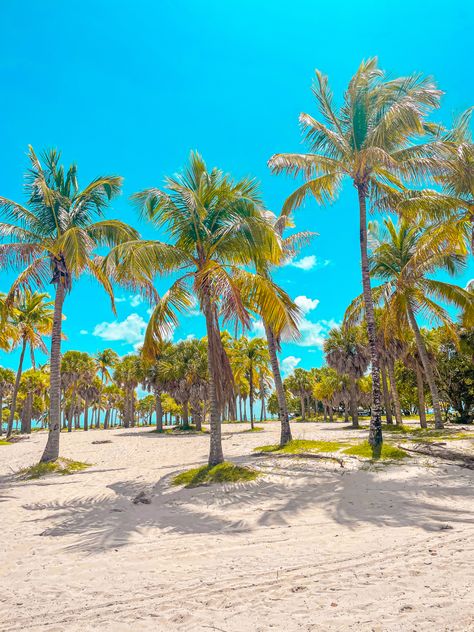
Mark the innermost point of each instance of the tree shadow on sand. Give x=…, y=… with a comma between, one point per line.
x=286, y=491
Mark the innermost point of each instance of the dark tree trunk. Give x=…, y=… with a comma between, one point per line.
x=15, y=390
x=427, y=367
x=250, y=379
x=303, y=408
x=375, y=433
x=158, y=411
x=26, y=414
x=285, y=431
x=51, y=450
x=86, y=415
x=216, y=454
x=386, y=394
x=393, y=386
x=420, y=386
x=185, y=414
x=353, y=394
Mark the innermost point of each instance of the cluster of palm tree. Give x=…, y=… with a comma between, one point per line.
x=221, y=246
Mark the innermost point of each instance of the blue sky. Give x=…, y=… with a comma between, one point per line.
x=130, y=88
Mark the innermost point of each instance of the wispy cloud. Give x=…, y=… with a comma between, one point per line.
x=131, y=330
x=306, y=304
x=83, y=332
x=289, y=364
x=310, y=262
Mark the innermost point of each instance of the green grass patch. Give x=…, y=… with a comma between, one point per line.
x=3, y=442
x=365, y=450
x=254, y=429
x=223, y=473
x=302, y=445
x=61, y=466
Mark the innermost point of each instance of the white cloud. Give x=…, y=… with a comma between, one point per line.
x=308, y=263
x=306, y=304
x=120, y=299
x=289, y=364
x=83, y=332
x=135, y=300
x=131, y=330
x=313, y=334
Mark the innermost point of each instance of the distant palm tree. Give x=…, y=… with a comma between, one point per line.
x=34, y=389
x=105, y=361
x=251, y=357
x=300, y=384
x=7, y=380
x=217, y=227
x=403, y=256
x=376, y=138
x=326, y=387
x=154, y=378
x=54, y=240
x=128, y=374
x=347, y=353
x=31, y=316
x=77, y=367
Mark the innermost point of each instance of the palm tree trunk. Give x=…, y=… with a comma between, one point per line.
x=86, y=415
x=375, y=433
x=353, y=395
x=303, y=409
x=216, y=454
x=427, y=367
x=420, y=387
x=285, y=431
x=1, y=412
x=251, y=396
x=393, y=387
x=386, y=395
x=51, y=450
x=158, y=411
x=15, y=390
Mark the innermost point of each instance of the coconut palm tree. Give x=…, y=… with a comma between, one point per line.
x=403, y=256
x=154, y=377
x=128, y=374
x=326, y=387
x=346, y=352
x=77, y=367
x=104, y=361
x=33, y=388
x=216, y=227
x=7, y=380
x=53, y=240
x=375, y=139
x=31, y=317
x=300, y=385
x=251, y=357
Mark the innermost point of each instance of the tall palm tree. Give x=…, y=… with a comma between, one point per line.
x=154, y=378
x=403, y=256
x=216, y=227
x=128, y=374
x=34, y=388
x=300, y=385
x=346, y=352
x=77, y=368
x=31, y=316
x=251, y=357
x=104, y=361
x=325, y=388
x=375, y=139
x=7, y=380
x=54, y=239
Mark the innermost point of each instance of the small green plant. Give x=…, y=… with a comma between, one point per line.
x=223, y=473
x=302, y=445
x=3, y=442
x=254, y=429
x=60, y=466
x=365, y=450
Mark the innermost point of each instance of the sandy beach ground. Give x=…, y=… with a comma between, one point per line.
x=308, y=546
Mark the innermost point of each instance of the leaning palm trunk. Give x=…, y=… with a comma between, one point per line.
x=15, y=391
x=158, y=411
x=285, y=432
x=420, y=387
x=51, y=450
x=375, y=433
x=386, y=394
x=353, y=403
x=216, y=455
x=427, y=368
x=393, y=387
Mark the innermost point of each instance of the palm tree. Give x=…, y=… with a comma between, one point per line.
x=346, y=352
x=34, y=388
x=7, y=380
x=77, y=368
x=128, y=374
x=326, y=387
x=154, y=378
x=104, y=361
x=53, y=240
x=31, y=316
x=251, y=357
x=402, y=258
x=216, y=226
x=300, y=385
x=376, y=138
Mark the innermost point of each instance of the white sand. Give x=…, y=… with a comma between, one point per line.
x=309, y=546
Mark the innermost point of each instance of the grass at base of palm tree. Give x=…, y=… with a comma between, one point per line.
x=3, y=442
x=223, y=473
x=365, y=450
x=254, y=429
x=60, y=466
x=303, y=445
x=180, y=429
